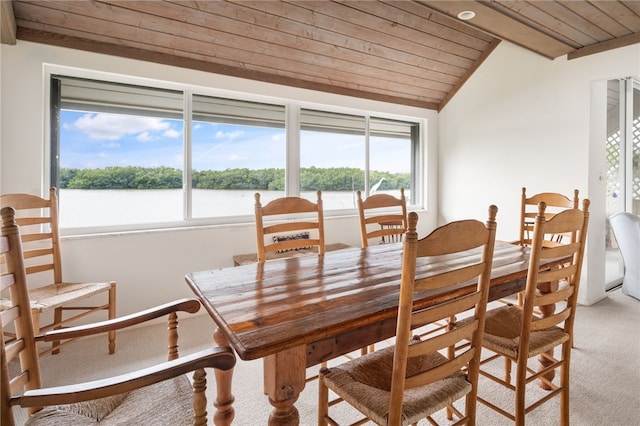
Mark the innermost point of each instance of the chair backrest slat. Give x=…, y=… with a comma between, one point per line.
x=6, y=280
x=440, y=312
x=9, y=315
x=440, y=372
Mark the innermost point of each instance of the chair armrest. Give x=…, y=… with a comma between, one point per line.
x=182, y=305
x=217, y=357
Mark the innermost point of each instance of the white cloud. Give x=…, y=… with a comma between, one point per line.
x=171, y=133
x=228, y=135
x=144, y=137
x=114, y=127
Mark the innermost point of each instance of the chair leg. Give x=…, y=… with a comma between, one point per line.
x=470, y=406
x=507, y=370
x=323, y=399
x=451, y=353
x=112, y=315
x=521, y=391
x=172, y=337
x=57, y=321
x=35, y=317
x=199, y=398
x=564, y=383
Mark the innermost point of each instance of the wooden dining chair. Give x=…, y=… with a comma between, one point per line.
x=296, y=223
x=517, y=333
x=555, y=203
x=401, y=384
x=159, y=394
x=382, y=217
x=48, y=291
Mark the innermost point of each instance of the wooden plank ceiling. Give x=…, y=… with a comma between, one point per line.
x=408, y=52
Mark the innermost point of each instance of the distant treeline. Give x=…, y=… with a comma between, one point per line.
x=312, y=178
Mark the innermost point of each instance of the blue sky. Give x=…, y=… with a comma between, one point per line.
x=96, y=140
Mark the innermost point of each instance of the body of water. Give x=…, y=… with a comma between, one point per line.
x=96, y=208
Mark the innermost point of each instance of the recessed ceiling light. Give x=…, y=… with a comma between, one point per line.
x=465, y=15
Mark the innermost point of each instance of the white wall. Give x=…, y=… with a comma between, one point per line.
x=149, y=266
x=524, y=120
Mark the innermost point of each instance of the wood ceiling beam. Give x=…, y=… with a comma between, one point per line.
x=8, y=23
x=605, y=45
x=499, y=25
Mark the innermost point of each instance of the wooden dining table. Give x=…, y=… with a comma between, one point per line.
x=298, y=312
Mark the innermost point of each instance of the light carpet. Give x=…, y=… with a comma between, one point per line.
x=605, y=370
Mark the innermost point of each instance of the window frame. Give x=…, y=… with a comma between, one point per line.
x=293, y=110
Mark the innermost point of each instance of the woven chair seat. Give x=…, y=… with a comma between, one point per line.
x=502, y=333
x=55, y=295
x=365, y=383
x=165, y=403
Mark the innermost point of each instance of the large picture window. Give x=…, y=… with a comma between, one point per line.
x=132, y=157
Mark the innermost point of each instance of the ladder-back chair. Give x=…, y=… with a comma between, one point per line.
x=555, y=203
x=299, y=225
x=38, y=221
x=401, y=384
x=518, y=333
x=158, y=394
x=382, y=216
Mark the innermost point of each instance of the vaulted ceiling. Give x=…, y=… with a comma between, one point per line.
x=415, y=53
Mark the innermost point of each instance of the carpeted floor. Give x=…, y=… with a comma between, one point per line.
x=605, y=375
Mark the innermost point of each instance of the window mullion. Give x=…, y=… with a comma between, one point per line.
x=367, y=152
x=187, y=149
x=292, y=169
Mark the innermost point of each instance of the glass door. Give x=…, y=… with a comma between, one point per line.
x=623, y=164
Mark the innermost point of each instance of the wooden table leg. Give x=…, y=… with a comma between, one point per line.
x=224, y=412
x=284, y=379
x=547, y=311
